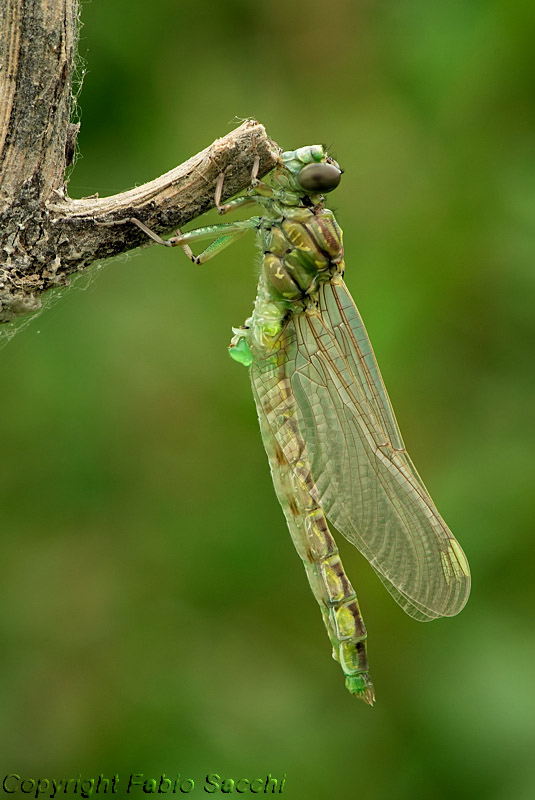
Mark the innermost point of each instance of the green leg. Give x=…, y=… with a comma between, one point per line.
x=238, y=201
x=224, y=234
x=213, y=249
x=257, y=187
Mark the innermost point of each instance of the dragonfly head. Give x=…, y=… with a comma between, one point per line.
x=312, y=170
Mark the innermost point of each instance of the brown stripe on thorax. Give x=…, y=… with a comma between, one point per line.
x=327, y=234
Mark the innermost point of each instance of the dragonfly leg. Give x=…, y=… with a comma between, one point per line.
x=224, y=234
x=237, y=201
x=258, y=187
x=153, y=235
x=212, y=250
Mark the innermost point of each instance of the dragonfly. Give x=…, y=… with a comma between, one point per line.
x=334, y=447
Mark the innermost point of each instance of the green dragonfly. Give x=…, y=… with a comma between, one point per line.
x=332, y=440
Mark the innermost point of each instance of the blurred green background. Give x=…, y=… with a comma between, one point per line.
x=154, y=617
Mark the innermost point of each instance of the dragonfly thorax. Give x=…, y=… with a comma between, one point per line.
x=301, y=250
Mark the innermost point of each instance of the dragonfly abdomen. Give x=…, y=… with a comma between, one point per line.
x=311, y=536
x=329, y=583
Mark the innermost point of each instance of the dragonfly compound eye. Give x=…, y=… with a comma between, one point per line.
x=319, y=177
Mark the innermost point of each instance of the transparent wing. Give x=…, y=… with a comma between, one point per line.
x=363, y=478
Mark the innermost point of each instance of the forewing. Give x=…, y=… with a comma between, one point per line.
x=363, y=477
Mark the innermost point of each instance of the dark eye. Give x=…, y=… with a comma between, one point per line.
x=319, y=177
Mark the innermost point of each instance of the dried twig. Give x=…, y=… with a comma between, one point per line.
x=168, y=201
x=44, y=235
